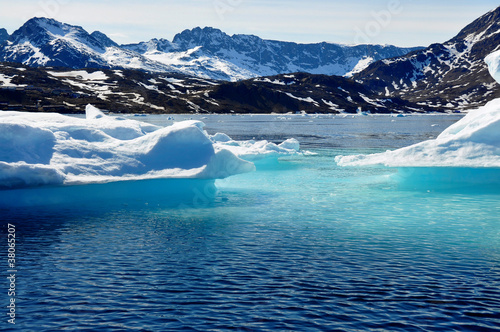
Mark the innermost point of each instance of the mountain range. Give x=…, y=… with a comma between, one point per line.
x=255, y=57
x=208, y=52
x=205, y=70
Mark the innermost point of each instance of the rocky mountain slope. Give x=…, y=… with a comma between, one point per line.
x=133, y=91
x=452, y=75
x=207, y=53
x=4, y=35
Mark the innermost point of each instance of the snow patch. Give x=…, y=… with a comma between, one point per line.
x=360, y=66
x=267, y=80
x=6, y=82
x=81, y=75
x=307, y=100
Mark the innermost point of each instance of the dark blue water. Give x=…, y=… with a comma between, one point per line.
x=299, y=245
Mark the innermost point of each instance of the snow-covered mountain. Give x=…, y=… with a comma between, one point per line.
x=206, y=53
x=254, y=57
x=194, y=61
x=452, y=75
x=42, y=42
x=47, y=42
x=103, y=39
x=4, y=35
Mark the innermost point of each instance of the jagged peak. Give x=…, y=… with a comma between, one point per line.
x=103, y=39
x=43, y=21
x=47, y=32
x=53, y=26
x=152, y=45
x=205, y=30
x=4, y=35
x=487, y=24
x=198, y=35
x=43, y=29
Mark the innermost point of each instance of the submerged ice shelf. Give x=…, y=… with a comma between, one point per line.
x=53, y=149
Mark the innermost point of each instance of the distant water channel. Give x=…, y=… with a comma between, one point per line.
x=299, y=245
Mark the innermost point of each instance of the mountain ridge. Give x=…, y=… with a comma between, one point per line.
x=261, y=57
x=207, y=53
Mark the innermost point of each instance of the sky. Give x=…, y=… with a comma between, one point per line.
x=396, y=22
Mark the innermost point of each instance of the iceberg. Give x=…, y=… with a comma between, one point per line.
x=53, y=149
x=468, y=151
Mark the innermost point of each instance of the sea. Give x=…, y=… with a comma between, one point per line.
x=301, y=244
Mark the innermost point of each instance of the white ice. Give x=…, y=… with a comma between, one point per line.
x=493, y=61
x=51, y=149
x=256, y=150
x=472, y=142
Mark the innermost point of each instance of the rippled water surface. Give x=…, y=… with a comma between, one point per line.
x=299, y=245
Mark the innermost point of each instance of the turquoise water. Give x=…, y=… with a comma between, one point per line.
x=299, y=245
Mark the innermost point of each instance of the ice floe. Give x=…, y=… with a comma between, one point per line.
x=256, y=150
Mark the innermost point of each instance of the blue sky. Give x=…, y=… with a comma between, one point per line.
x=397, y=22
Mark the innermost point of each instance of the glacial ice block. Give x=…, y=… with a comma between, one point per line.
x=53, y=149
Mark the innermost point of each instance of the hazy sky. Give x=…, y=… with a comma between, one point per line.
x=397, y=22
